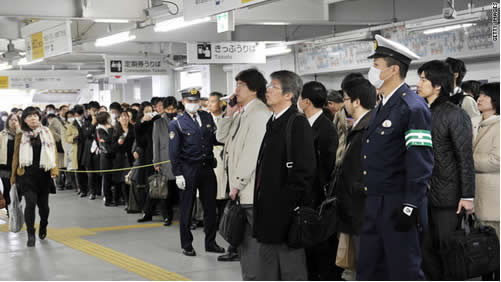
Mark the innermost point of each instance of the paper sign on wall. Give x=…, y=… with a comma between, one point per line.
x=226, y=53
x=135, y=65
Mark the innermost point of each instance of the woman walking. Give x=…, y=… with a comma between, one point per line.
x=33, y=165
x=7, y=137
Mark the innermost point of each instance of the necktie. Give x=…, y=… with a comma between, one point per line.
x=195, y=119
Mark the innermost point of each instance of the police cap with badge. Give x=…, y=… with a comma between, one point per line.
x=191, y=93
x=388, y=48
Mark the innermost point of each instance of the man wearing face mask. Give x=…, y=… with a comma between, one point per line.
x=397, y=161
x=191, y=141
x=115, y=109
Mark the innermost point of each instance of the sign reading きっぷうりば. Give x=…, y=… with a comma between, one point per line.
x=196, y=9
x=226, y=53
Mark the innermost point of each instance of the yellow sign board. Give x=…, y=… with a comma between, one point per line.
x=4, y=82
x=37, y=46
x=246, y=1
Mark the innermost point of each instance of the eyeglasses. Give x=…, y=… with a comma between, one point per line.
x=273, y=86
x=241, y=84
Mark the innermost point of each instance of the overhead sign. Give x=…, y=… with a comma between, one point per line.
x=49, y=42
x=116, y=65
x=226, y=53
x=225, y=22
x=196, y=9
x=42, y=80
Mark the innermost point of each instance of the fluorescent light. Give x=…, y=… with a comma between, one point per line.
x=275, y=23
x=25, y=62
x=111, y=21
x=279, y=50
x=5, y=66
x=343, y=38
x=438, y=23
x=447, y=28
x=178, y=23
x=115, y=39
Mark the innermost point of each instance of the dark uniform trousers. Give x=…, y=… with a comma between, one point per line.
x=381, y=243
x=198, y=175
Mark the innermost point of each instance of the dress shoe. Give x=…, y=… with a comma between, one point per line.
x=167, y=222
x=214, y=248
x=92, y=197
x=42, y=233
x=189, y=252
x=107, y=204
x=31, y=240
x=230, y=256
x=145, y=218
x=83, y=195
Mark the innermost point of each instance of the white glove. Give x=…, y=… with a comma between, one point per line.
x=180, y=182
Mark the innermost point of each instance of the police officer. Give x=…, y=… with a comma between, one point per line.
x=397, y=162
x=192, y=137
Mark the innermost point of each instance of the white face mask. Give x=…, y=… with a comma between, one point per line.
x=374, y=77
x=71, y=120
x=192, y=107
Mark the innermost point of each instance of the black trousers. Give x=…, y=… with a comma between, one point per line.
x=33, y=199
x=81, y=180
x=201, y=177
x=441, y=223
x=166, y=205
x=94, y=179
x=321, y=261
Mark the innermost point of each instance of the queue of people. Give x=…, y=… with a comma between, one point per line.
x=408, y=164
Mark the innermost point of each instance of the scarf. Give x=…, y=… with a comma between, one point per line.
x=5, y=136
x=47, y=154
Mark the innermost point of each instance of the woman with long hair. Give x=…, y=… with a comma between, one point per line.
x=33, y=165
x=7, y=137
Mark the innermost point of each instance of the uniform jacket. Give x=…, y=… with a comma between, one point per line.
x=189, y=142
x=161, y=145
x=453, y=175
x=326, y=143
x=389, y=166
x=19, y=171
x=350, y=187
x=486, y=157
x=277, y=194
x=69, y=135
x=242, y=135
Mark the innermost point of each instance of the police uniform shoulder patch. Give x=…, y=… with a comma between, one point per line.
x=387, y=123
x=172, y=134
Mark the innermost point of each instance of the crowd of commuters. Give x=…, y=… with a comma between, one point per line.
x=408, y=164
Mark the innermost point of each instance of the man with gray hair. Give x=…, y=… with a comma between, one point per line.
x=281, y=184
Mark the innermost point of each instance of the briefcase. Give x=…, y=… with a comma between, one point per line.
x=232, y=226
x=470, y=251
x=158, y=186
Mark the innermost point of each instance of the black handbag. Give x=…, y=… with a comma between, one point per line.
x=232, y=226
x=470, y=251
x=158, y=186
x=310, y=226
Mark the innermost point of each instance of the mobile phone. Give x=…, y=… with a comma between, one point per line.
x=233, y=101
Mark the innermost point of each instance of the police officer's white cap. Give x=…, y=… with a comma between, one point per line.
x=191, y=93
x=388, y=48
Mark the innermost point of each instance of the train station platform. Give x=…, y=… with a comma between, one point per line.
x=88, y=241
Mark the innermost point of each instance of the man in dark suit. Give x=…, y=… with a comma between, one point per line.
x=277, y=191
x=81, y=124
x=359, y=100
x=311, y=101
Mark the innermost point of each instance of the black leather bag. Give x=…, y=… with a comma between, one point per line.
x=158, y=186
x=232, y=226
x=310, y=226
x=470, y=251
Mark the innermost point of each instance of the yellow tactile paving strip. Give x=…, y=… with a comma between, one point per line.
x=71, y=238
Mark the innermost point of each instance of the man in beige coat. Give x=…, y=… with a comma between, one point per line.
x=242, y=130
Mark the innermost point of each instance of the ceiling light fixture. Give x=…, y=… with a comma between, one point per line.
x=438, y=23
x=447, y=28
x=111, y=21
x=5, y=66
x=24, y=61
x=178, y=23
x=277, y=50
x=275, y=23
x=115, y=39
